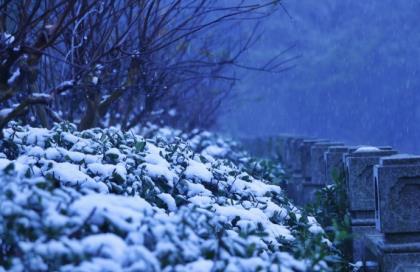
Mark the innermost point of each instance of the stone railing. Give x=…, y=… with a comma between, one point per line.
x=383, y=192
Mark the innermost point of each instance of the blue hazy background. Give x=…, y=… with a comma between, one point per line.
x=356, y=80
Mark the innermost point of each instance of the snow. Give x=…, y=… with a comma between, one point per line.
x=35, y=151
x=97, y=265
x=156, y=166
x=315, y=227
x=215, y=151
x=8, y=38
x=157, y=170
x=253, y=216
x=197, y=189
x=256, y=187
x=66, y=83
x=198, y=170
x=202, y=201
x=70, y=174
x=200, y=266
x=113, y=152
x=367, y=149
x=107, y=170
x=100, y=204
x=4, y=112
x=41, y=95
x=124, y=212
x=106, y=245
x=172, y=112
x=14, y=76
x=169, y=201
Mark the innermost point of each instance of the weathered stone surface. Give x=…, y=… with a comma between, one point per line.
x=294, y=188
x=280, y=146
x=295, y=154
x=273, y=147
x=359, y=178
x=397, y=194
x=306, y=157
x=392, y=257
x=288, y=151
x=334, y=161
x=358, y=240
x=318, y=162
x=309, y=190
x=256, y=146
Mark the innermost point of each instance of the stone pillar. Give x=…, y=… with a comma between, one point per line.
x=361, y=194
x=295, y=154
x=318, y=161
x=306, y=157
x=317, y=170
x=295, y=185
x=288, y=153
x=302, y=174
x=288, y=150
x=396, y=244
x=334, y=161
x=280, y=147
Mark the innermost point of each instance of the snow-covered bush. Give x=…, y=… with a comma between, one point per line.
x=107, y=200
x=221, y=147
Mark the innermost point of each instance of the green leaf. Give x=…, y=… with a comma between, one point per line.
x=140, y=146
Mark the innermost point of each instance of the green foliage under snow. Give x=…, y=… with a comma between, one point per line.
x=107, y=200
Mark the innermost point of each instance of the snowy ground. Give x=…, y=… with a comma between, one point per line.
x=104, y=200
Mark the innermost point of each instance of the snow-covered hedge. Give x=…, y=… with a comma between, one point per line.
x=107, y=200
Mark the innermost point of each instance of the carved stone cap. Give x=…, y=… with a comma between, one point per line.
x=400, y=159
x=314, y=141
x=328, y=144
x=385, y=147
x=378, y=242
x=340, y=148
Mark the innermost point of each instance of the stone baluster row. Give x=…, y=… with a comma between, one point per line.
x=383, y=191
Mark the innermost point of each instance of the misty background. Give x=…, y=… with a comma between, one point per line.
x=356, y=78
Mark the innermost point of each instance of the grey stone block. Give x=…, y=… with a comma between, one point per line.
x=318, y=161
x=295, y=154
x=359, y=178
x=294, y=188
x=359, y=233
x=397, y=194
x=306, y=156
x=288, y=151
x=280, y=146
x=308, y=194
x=334, y=161
x=391, y=256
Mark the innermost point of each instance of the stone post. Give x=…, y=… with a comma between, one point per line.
x=334, y=161
x=396, y=244
x=296, y=180
x=295, y=155
x=318, y=161
x=361, y=192
x=317, y=166
x=288, y=151
x=280, y=146
x=306, y=157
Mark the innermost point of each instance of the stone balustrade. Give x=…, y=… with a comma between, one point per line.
x=383, y=191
